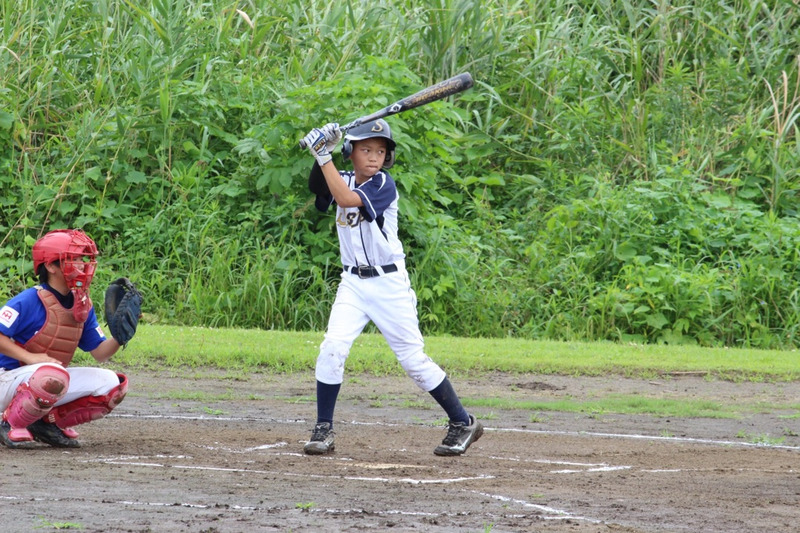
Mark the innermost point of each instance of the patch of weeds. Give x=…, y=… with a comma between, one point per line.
x=241, y=376
x=376, y=403
x=304, y=506
x=415, y=404
x=488, y=416
x=790, y=433
x=210, y=411
x=761, y=438
x=538, y=418
x=45, y=523
x=442, y=422
x=301, y=399
x=191, y=395
x=666, y=433
x=769, y=441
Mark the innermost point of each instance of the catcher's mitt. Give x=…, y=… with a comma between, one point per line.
x=123, y=308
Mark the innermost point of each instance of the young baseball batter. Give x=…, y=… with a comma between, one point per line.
x=41, y=399
x=374, y=285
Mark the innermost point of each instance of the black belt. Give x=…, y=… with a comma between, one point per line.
x=366, y=271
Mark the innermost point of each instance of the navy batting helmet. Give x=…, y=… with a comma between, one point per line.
x=369, y=130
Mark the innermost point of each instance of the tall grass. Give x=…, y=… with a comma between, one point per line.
x=622, y=170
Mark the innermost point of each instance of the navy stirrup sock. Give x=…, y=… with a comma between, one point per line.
x=326, y=401
x=448, y=399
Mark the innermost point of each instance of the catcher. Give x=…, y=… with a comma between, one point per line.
x=41, y=398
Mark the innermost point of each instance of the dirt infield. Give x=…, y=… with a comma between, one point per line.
x=214, y=453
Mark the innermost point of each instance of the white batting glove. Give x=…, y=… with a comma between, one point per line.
x=333, y=135
x=318, y=146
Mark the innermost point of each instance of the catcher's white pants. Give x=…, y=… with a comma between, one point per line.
x=391, y=304
x=83, y=381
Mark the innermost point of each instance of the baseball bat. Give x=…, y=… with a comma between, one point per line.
x=443, y=89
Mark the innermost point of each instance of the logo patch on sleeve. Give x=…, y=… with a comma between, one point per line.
x=100, y=332
x=8, y=316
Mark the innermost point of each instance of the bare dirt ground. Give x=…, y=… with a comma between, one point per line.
x=205, y=452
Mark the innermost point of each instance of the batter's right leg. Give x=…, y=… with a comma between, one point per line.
x=329, y=374
x=346, y=322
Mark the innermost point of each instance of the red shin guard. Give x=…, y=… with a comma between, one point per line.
x=88, y=408
x=35, y=398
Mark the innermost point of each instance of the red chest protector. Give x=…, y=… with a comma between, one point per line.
x=60, y=334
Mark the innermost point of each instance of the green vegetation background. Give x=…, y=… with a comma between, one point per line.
x=622, y=170
x=240, y=352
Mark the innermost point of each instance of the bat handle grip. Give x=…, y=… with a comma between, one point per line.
x=344, y=129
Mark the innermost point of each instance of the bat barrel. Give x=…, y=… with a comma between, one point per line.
x=443, y=89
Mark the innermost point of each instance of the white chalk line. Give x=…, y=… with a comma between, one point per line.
x=558, y=514
x=210, y=418
x=725, y=443
x=656, y=438
x=411, y=481
x=131, y=462
x=549, y=513
x=341, y=512
x=137, y=503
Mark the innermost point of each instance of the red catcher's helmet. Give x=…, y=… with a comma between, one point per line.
x=75, y=252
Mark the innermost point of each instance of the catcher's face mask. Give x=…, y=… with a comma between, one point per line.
x=78, y=271
x=74, y=251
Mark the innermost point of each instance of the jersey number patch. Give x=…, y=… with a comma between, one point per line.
x=351, y=218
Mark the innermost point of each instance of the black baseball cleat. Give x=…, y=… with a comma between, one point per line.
x=51, y=434
x=321, y=440
x=459, y=437
x=15, y=438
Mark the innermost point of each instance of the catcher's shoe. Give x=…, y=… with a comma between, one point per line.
x=53, y=435
x=459, y=437
x=321, y=440
x=15, y=438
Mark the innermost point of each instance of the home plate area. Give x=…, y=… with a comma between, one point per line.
x=237, y=465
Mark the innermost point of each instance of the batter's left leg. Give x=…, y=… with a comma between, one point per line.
x=395, y=314
x=402, y=333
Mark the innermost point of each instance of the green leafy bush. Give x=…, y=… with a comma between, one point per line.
x=621, y=170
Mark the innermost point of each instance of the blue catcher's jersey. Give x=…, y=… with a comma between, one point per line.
x=24, y=315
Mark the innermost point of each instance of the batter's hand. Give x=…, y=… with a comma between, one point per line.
x=333, y=135
x=317, y=144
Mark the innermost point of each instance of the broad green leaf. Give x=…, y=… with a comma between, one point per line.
x=657, y=321
x=6, y=120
